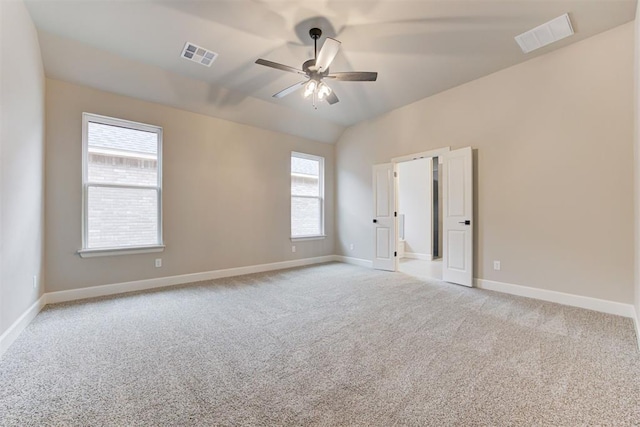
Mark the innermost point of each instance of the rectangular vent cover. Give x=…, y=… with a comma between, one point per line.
x=198, y=54
x=547, y=33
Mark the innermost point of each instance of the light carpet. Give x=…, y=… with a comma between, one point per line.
x=326, y=345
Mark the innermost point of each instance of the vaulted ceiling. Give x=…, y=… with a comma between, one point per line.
x=419, y=48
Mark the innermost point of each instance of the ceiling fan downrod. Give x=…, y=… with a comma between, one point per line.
x=315, y=34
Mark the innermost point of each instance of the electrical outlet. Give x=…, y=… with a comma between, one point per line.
x=35, y=282
x=496, y=265
x=351, y=247
x=293, y=248
x=158, y=262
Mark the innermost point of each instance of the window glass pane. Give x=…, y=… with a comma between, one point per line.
x=305, y=177
x=304, y=166
x=305, y=185
x=122, y=217
x=305, y=216
x=120, y=155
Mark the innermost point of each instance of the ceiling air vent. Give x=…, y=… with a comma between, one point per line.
x=547, y=33
x=198, y=54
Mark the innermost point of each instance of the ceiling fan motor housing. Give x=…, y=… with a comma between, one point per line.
x=309, y=68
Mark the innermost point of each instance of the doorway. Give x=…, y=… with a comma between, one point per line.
x=455, y=218
x=419, y=212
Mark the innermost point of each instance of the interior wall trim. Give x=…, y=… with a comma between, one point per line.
x=11, y=334
x=23, y=321
x=161, y=282
x=601, y=305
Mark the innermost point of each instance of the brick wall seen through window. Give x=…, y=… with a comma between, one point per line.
x=307, y=195
x=122, y=184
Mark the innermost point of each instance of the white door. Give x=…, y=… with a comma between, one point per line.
x=457, y=213
x=384, y=224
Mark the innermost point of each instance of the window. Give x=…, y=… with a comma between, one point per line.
x=122, y=186
x=307, y=196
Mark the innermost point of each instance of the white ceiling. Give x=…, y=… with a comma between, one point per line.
x=419, y=48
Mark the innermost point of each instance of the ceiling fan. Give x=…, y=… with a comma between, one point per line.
x=317, y=69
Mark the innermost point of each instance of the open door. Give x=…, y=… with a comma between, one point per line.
x=384, y=224
x=457, y=221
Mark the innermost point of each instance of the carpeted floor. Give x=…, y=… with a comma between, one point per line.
x=326, y=345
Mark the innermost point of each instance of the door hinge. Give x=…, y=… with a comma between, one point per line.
x=395, y=254
x=395, y=174
x=395, y=214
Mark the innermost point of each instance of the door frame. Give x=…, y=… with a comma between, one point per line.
x=395, y=160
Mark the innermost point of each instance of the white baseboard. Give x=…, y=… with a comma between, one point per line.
x=161, y=282
x=23, y=321
x=416, y=255
x=10, y=335
x=355, y=261
x=604, y=306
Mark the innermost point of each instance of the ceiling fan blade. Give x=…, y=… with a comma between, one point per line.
x=332, y=98
x=290, y=89
x=279, y=66
x=355, y=76
x=328, y=51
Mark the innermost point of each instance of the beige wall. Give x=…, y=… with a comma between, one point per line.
x=553, y=155
x=21, y=164
x=225, y=192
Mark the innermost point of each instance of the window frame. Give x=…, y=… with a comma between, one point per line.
x=321, y=197
x=87, y=252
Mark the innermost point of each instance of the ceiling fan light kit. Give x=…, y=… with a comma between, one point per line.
x=317, y=69
x=323, y=91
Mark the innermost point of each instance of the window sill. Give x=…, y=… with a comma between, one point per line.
x=90, y=253
x=301, y=238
